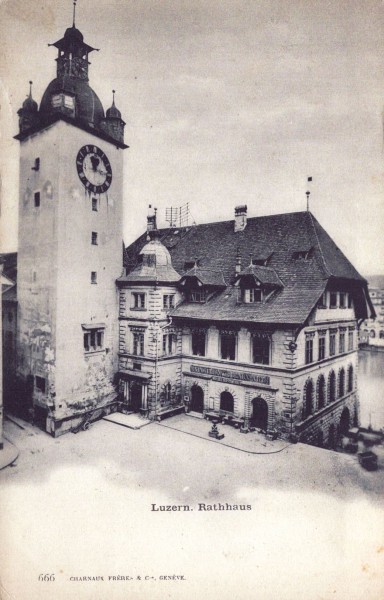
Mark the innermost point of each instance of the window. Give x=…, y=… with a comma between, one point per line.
x=228, y=346
x=350, y=303
x=308, y=399
x=69, y=102
x=261, y=350
x=138, y=343
x=198, y=343
x=40, y=384
x=320, y=392
x=93, y=340
x=138, y=300
x=93, y=277
x=168, y=301
x=56, y=100
x=252, y=295
x=198, y=296
x=302, y=254
x=342, y=300
x=350, y=378
x=167, y=393
x=308, y=350
x=189, y=264
x=333, y=300
x=322, y=303
x=341, y=383
x=332, y=344
x=37, y=199
x=94, y=204
x=59, y=100
x=36, y=166
x=94, y=238
x=332, y=386
x=342, y=342
x=321, y=347
x=350, y=340
x=169, y=343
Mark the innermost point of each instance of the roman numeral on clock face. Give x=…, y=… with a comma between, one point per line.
x=96, y=176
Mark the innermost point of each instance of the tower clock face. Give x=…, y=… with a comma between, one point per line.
x=94, y=169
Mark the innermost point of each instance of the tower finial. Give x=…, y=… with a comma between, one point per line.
x=30, y=89
x=113, y=99
x=74, y=12
x=308, y=193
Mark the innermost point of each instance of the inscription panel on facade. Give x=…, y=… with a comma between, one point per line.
x=228, y=376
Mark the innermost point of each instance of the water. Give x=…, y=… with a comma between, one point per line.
x=371, y=388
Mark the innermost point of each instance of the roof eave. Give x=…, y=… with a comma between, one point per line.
x=76, y=123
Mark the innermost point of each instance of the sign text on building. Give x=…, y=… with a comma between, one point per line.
x=238, y=376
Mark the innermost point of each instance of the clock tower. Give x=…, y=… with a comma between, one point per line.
x=70, y=246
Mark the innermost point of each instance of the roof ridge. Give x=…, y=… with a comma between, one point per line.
x=191, y=227
x=311, y=218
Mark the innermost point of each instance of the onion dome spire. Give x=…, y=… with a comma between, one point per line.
x=113, y=112
x=113, y=124
x=28, y=113
x=29, y=103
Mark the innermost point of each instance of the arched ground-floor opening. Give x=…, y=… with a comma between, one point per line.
x=226, y=402
x=332, y=437
x=344, y=421
x=259, y=416
x=197, y=399
x=319, y=439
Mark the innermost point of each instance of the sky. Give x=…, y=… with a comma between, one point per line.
x=225, y=103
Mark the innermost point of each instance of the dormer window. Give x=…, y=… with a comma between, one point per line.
x=189, y=264
x=252, y=295
x=56, y=100
x=322, y=303
x=302, y=254
x=69, y=102
x=257, y=283
x=63, y=101
x=197, y=296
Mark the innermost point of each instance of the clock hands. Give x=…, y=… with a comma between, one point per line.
x=94, y=169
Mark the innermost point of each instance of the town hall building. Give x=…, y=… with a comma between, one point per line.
x=252, y=321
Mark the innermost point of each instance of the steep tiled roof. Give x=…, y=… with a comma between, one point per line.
x=207, y=276
x=216, y=246
x=264, y=274
x=163, y=274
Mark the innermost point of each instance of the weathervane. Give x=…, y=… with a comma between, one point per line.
x=74, y=12
x=308, y=193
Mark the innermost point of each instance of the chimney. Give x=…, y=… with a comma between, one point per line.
x=238, y=262
x=151, y=218
x=240, y=217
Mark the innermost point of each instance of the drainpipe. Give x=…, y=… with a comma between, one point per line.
x=158, y=329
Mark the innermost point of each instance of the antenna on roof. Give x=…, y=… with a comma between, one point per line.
x=308, y=193
x=178, y=216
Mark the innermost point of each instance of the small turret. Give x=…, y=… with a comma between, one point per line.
x=113, y=124
x=28, y=113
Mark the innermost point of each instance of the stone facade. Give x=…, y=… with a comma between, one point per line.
x=70, y=249
x=293, y=394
